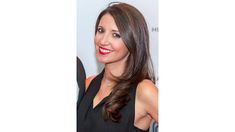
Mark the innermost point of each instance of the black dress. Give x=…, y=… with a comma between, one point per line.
x=90, y=119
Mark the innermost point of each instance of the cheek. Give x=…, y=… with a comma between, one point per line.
x=121, y=48
x=125, y=50
x=96, y=39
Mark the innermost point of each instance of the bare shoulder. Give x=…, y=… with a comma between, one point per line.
x=88, y=80
x=147, y=97
x=147, y=89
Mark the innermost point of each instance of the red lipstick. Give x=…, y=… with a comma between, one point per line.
x=104, y=51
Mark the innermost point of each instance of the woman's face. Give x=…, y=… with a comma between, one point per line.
x=110, y=47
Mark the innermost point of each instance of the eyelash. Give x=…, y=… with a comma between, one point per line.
x=116, y=35
x=100, y=30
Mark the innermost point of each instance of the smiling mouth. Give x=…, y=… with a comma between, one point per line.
x=104, y=51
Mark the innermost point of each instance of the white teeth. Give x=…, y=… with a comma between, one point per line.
x=105, y=51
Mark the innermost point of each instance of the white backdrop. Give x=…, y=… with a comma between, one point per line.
x=87, y=13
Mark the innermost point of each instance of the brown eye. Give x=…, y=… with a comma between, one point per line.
x=100, y=30
x=116, y=35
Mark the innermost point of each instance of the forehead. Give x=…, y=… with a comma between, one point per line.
x=107, y=21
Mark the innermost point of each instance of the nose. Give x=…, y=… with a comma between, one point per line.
x=104, y=39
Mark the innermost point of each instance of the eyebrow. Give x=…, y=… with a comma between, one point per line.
x=115, y=31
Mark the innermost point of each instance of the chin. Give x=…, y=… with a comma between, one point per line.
x=101, y=59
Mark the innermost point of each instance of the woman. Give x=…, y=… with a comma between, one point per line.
x=123, y=97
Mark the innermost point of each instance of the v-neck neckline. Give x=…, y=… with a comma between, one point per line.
x=100, y=102
x=103, y=100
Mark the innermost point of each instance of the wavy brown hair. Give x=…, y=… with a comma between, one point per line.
x=134, y=33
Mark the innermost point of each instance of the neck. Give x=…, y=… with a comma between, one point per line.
x=113, y=70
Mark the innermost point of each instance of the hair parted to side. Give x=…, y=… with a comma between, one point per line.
x=134, y=33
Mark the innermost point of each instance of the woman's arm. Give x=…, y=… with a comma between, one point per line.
x=147, y=94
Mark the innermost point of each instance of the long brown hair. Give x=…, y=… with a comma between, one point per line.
x=134, y=33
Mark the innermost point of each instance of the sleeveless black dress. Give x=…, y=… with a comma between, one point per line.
x=90, y=119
